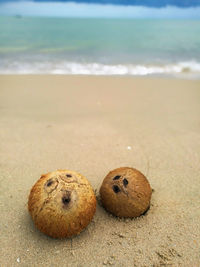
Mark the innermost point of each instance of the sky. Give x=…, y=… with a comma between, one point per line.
x=88, y=10
x=150, y=3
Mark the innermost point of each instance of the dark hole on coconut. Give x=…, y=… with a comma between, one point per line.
x=116, y=189
x=49, y=183
x=66, y=200
x=116, y=177
x=125, y=182
x=68, y=175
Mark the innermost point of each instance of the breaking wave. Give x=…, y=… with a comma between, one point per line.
x=189, y=70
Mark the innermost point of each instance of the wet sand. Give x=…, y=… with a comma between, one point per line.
x=93, y=125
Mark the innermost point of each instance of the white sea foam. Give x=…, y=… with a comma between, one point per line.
x=182, y=69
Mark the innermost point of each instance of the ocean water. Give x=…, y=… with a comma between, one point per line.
x=36, y=45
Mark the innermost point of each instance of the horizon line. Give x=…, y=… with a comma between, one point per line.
x=83, y=10
x=109, y=2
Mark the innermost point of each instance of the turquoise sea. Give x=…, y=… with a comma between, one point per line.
x=100, y=46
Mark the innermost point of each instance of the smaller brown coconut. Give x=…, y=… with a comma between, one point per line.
x=126, y=192
x=62, y=203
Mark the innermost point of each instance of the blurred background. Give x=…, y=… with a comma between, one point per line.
x=116, y=37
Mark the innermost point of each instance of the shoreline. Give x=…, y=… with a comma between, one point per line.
x=102, y=76
x=180, y=70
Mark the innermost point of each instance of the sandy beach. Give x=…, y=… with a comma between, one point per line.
x=92, y=125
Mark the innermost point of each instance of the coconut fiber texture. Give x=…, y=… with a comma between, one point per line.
x=62, y=203
x=126, y=192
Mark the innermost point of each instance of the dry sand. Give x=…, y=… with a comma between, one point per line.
x=93, y=125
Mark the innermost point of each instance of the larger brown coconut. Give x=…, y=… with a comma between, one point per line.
x=126, y=192
x=62, y=203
